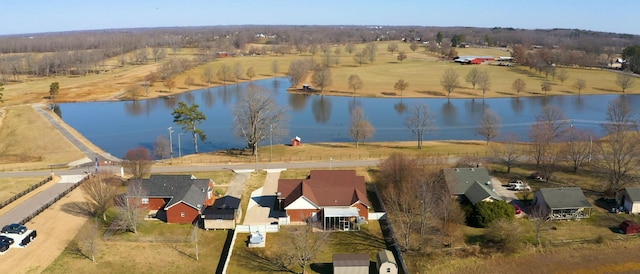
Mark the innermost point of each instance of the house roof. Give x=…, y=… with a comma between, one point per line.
x=178, y=188
x=460, y=179
x=326, y=188
x=633, y=192
x=564, y=197
x=226, y=202
x=386, y=256
x=350, y=260
x=478, y=192
x=212, y=213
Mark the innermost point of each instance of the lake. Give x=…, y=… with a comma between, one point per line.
x=119, y=126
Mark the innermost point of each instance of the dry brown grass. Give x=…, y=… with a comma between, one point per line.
x=15, y=185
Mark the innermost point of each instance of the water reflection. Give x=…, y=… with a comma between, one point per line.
x=321, y=107
x=449, y=113
x=133, y=108
x=353, y=104
x=517, y=104
x=208, y=98
x=400, y=107
x=298, y=102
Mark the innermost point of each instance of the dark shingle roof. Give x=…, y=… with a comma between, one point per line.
x=226, y=202
x=386, y=256
x=633, y=192
x=477, y=192
x=212, y=213
x=179, y=188
x=565, y=197
x=460, y=179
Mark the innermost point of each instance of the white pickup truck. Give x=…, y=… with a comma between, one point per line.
x=518, y=185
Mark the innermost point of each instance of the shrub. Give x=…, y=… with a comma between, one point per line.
x=484, y=213
x=505, y=235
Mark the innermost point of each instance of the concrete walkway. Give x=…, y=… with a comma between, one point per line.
x=29, y=206
x=236, y=187
x=261, y=205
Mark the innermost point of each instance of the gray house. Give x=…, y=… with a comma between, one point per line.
x=474, y=184
x=565, y=203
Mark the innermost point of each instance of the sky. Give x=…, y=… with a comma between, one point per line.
x=37, y=16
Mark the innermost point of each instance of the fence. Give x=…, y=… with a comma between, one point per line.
x=48, y=204
x=257, y=228
x=390, y=236
x=24, y=192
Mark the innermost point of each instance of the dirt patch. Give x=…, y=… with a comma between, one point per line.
x=55, y=230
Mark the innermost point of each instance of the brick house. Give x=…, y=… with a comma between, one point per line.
x=177, y=198
x=337, y=198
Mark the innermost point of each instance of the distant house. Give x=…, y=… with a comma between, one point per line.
x=565, y=203
x=351, y=264
x=176, y=198
x=473, y=59
x=295, y=142
x=386, y=263
x=223, y=214
x=337, y=198
x=629, y=199
x=472, y=184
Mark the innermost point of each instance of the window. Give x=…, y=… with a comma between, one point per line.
x=388, y=270
x=182, y=214
x=144, y=201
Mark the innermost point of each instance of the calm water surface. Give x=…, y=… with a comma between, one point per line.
x=119, y=126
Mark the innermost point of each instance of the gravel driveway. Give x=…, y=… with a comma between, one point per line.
x=502, y=191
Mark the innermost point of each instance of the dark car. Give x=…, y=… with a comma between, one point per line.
x=537, y=176
x=5, y=239
x=3, y=247
x=14, y=229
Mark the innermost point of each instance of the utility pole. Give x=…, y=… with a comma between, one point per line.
x=170, y=143
x=179, y=146
x=270, y=142
x=590, y=148
x=330, y=161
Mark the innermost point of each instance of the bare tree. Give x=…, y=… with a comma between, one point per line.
x=449, y=81
x=349, y=48
x=509, y=152
x=392, y=47
x=189, y=81
x=250, y=73
x=371, y=50
x=420, y=121
x=130, y=207
x=237, y=71
x=100, y=193
x=577, y=147
x=161, y=148
x=490, y=125
x=258, y=117
x=620, y=150
x=562, y=75
x=225, y=73
x=580, y=84
x=207, y=76
x=540, y=222
x=401, y=85
x=401, y=56
x=303, y=246
x=88, y=240
x=546, y=86
x=484, y=82
x=360, y=57
x=138, y=162
x=624, y=81
x=360, y=128
x=170, y=83
x=322, y=78
x=413, y=46
x=355, y=83
x=518, y=86
x=555, y=119
x=473, y=77
x=298, y=70
x=134, y=91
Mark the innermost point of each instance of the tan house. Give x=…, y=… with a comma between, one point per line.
x=337, y=198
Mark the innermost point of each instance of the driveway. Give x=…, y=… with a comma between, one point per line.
x=502, y=191
x=263, y=200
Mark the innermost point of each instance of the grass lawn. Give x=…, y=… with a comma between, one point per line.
x=30, y=141
x=259, y=260
x=168, y=253
x=15, y=185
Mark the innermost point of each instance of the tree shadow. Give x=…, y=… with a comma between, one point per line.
x=257, y=260
x=606, y=90
x=80, y=209
x=322, y=268
x=431, y=92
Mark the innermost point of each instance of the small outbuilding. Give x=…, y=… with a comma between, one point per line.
x=386, y=263
x=351, y=264
x=297, y=141
x=629, y=199
x=629, y=227
x=564, y=203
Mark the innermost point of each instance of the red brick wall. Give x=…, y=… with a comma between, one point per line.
x=209, y=202
x=364, y=211
x=174, y=214
x=299, y=215
x=154, y=203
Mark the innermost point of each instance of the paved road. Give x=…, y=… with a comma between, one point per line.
x=29, y=206
x=91, y=154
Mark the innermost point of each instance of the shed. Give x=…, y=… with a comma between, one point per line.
x=386, y=263
x=297, y=141
x=629, y=227
x=629, y=199
x=351, y=264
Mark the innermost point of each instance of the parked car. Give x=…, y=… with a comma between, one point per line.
x=4, y=247
x=537, y=176
x=514, y=183
x=520, y=187
x=14, y=229
x=5, y=239
x=517, y=209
